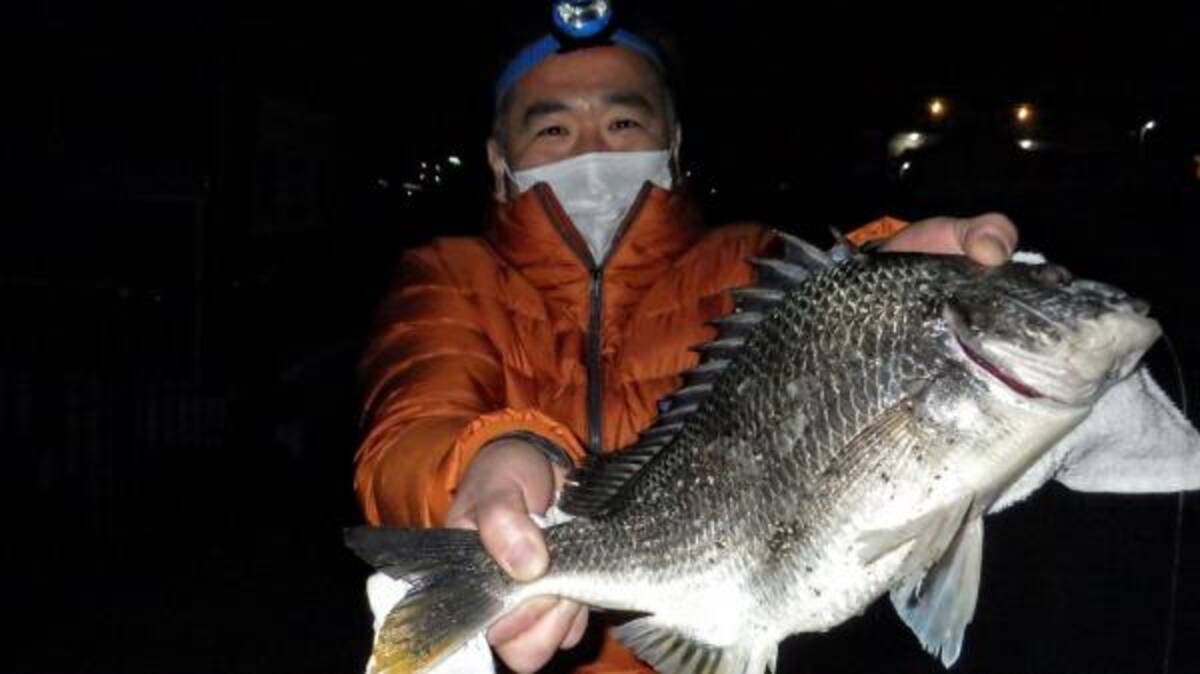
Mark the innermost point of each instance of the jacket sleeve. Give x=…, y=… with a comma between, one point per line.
x=433, y=387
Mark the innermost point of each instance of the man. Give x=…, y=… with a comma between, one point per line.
x=498, y=362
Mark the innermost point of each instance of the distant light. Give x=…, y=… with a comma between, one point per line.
x=454, y=161
x=437, y=179
x=422, y=177
x=905, y=141
x=424, y=166
x=382, y=183
x=937, y=107
x=1147, y=127
x=712, y=191
x=905, y=166
x=1024, y=113
x=1026, y=144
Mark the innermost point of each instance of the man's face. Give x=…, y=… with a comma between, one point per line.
x=604, y=99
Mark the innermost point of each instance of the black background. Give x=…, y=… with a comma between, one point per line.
x=204, y=201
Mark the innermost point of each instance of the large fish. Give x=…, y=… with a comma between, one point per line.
x=843, y=438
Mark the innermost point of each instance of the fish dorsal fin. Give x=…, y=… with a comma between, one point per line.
x=671, y=652
x=845, y=249
x=779, y=274
x=798, y=251
x=801, y=260
x=593, y=490
x=756, y=299
x=939, y=604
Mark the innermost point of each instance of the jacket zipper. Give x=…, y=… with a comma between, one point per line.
x=595, y=364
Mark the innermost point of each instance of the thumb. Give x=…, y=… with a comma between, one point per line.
x=510, y=536
x=989, y=239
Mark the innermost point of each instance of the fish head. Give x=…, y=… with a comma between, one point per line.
x=1049, y=335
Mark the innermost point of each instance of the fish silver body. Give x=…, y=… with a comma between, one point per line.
x=842, y=439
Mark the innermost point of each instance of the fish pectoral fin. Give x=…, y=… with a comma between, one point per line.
x=939, y=604
x=671, y=652
x=931, y=533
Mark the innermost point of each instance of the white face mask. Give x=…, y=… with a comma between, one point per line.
x=597, y=189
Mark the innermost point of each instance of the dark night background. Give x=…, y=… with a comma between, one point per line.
x=205, y=201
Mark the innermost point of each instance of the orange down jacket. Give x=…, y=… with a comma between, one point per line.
x=521, y=331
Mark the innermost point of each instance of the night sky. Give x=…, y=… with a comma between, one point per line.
x=204, y=203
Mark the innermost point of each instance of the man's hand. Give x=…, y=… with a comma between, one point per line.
x=507, y=480
x=988, y=239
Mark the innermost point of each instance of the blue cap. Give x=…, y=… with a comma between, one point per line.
x=550, y=44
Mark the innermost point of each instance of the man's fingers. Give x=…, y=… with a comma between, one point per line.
x=578, y=625
x=988, y=239
x=533, y=647
x=523, y=617
x=510, y=536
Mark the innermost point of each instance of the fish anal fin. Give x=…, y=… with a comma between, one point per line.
x=670, y=651
x=939, y=604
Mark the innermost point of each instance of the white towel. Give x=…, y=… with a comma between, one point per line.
x=1135, y=441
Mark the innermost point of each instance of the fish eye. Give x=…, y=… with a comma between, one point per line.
x=1053, y=275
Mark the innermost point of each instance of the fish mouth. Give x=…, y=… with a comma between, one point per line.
x=1007, y=378
x=975, y=354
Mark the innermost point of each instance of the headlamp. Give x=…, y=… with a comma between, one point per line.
x=581, y=19
x=576, y=23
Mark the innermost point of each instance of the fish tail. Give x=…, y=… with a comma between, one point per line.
x=456, y=592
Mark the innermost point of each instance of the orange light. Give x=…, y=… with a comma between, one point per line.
x=937, y=107
x=1024, y=113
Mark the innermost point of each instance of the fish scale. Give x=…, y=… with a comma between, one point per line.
x=840, y=440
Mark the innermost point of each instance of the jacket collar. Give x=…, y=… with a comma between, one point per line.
x=535, y=235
